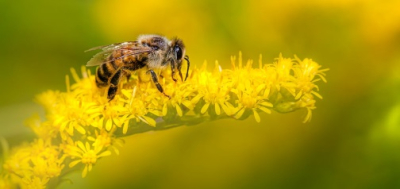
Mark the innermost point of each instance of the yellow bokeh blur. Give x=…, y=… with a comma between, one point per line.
x=352, y=140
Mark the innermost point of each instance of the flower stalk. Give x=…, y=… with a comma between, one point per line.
x=81, y=126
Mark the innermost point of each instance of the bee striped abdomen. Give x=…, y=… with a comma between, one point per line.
x=102, y=75
x=115, y=61
x=106, y=70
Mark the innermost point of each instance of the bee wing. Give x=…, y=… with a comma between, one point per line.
x=101, y=57
x=113, y=46
x=134, y=51
x=98, y=58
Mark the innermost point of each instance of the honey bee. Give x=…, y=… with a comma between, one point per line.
x=148, y=51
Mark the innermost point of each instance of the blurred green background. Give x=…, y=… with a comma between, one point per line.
x=353, y=140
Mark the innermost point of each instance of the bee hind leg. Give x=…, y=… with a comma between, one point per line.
x=155, y=80
x=127, y=74
x=112, y=90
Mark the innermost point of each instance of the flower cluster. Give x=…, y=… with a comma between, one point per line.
x=32, y=165
x=82, y=125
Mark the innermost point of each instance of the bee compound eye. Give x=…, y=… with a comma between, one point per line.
x=178, y=52
x=155, y=48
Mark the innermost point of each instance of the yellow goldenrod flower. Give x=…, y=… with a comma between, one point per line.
x=74, y=115
x=6, y=183
x=86, y=155
x=32, y=165
x=34, y=183
x=105, y=139
x=82, y=126
x=111, y=116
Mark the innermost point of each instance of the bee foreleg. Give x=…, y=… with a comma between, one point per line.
x=173, y=67
x=155, y=80
x=188, y=65
x=112, y=90
x=180, y=72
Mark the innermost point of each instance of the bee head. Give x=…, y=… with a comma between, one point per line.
x=178, y=51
